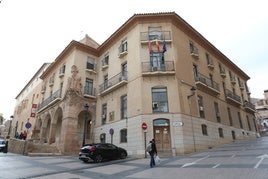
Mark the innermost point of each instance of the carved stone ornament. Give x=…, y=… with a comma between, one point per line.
x=74, y=82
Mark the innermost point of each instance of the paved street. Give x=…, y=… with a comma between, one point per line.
x=244, y=159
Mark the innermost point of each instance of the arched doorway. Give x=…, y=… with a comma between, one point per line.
x=84, y=118
x=162, y=134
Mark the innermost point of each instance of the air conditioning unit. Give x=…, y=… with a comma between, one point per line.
x=201, y=108
x=155, y=105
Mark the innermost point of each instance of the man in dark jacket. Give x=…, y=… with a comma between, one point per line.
x=152, y=153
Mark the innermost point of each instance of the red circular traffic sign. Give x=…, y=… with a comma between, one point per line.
x=144, y=126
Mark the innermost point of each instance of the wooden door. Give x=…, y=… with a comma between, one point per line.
x=162, y=137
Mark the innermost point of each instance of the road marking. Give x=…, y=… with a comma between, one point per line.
x=262, y=157
x=233, y=156
x=194, y=162
x=216, y=165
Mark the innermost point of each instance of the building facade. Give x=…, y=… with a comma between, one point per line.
x=262, y=113
x=27, y=100
x=156, y=71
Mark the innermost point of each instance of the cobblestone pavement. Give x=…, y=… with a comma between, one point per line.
x=244, y=159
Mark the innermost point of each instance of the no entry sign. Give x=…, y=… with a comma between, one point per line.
x=144, y=126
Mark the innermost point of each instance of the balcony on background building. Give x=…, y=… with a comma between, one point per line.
x=207, y=85
x=50, y=100
x=249, y=107
x=153, y=35
x=113, y=83
x=232, y=98
x=165, y=69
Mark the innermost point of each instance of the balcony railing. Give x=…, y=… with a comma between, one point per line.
x=115, y=81
x=89, y=92
x=233, y=97
x=152, y=35
x=49, y=100
x=249, y=106
x=150, y=67
x=207, y=84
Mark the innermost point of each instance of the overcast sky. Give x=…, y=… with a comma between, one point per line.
x=33, y=32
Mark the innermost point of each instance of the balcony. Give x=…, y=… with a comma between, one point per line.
x=113, y=83
x=152, y=35
x=89, y=92
x=249, y=107
x=165, y=69
x=55, y=97
x=232, y=98
x=207, y=85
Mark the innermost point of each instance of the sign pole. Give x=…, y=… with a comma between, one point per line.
x=144, y=127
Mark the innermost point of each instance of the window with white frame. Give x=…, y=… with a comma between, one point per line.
x=159, y=100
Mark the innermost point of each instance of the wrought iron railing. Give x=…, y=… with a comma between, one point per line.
x=150, y=67
x=47, y=101
x=113, y=81
x=207, y=81
x=152, y=35
x=233, y=96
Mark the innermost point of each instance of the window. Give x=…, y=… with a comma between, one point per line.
x=62, y=69
x=230, y=116
x=217, y=112
x=104, y=114
x=201, y=107
x=105, y=60
x=89, y=86
x=124, y=107
x=159, y=100
x=193, y=50
x=220, y=132
x=239, y=119
x=157, y=61
x=124, y=72
x=103, y=138
x=123, y=47
x=105, y=79
x=123, y=135
x=204, y=129
x=90, y=63
x=195, y=71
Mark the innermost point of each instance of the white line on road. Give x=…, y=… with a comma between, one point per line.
x=194, y=162
x=216, y=165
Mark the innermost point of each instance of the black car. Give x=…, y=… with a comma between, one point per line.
x=101, y=151
x=2, y=145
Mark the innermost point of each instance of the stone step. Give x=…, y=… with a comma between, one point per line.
x=43, y=154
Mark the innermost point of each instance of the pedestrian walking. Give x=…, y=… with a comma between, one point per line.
x=152, y=153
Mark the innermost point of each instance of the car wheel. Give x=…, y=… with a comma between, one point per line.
x=85, y=160
x=98, y=158
x=123, y=155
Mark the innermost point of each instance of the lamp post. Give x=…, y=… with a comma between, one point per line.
x=86, y=106
x=10, y=123
x=192, y=124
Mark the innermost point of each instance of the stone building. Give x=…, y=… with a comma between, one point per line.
x=262, y=113
x=155, y=70
x=26, y=105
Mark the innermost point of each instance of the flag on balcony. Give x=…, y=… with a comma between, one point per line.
x=150, y=47
x=164, y=47
x=157, y=45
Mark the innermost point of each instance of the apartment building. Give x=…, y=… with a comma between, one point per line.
x=155, y=71
x=27, y=100
x=262, y=113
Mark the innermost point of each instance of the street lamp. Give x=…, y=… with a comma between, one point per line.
x=86, y=106
x=193, y=89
